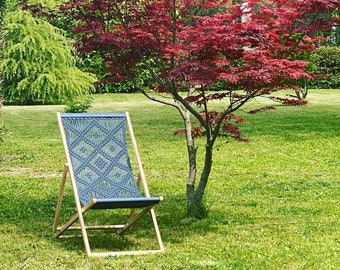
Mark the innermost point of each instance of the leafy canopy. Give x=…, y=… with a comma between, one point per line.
x=183, y=44
x=200, y=42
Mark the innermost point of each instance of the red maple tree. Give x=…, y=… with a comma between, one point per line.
x=186, y=48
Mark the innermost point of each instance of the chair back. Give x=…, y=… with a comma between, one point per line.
x=97, y=153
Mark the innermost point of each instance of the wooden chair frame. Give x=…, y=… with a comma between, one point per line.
x=79, y=216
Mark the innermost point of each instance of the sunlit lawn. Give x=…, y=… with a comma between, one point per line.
x=273, y=203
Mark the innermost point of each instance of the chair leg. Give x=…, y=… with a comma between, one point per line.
x=73, y=219
x=157, y=231
x=60, y=231
x=79, y=216
x=155, y=224
x=60, y=198
x=84, y=234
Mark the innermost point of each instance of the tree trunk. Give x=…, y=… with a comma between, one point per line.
x=192, y=205
x=195, y=206
x=194, y=193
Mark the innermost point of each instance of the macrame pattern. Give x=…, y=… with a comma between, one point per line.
x=99, y=156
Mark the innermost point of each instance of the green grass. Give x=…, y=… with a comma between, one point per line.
x=274, y=202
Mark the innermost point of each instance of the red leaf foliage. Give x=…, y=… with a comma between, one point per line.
x=226, y=126
x=184, y=43
x=266, y=108
x=203, y=99
x=179, y=132
x=202, y=42
x=290, y=101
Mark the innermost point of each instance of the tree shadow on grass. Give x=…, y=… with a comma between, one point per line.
x=27, y=215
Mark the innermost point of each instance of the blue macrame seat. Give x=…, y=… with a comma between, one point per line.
x=101, y=174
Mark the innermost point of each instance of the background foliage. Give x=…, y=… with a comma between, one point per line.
x=38, y=62
x=326, y=62
x=48, y=9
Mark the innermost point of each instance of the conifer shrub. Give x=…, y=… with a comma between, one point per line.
x=38, y=62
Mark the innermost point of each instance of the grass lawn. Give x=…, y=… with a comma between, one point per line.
x=274, y=203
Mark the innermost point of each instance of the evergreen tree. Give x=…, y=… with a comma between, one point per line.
x=38, y=63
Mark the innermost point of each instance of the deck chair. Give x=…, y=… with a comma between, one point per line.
x=101, y=174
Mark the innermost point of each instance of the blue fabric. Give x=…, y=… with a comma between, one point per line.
x=99, y=156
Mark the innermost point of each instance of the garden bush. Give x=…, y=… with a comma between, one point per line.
x=326, y=63
x=78, y=105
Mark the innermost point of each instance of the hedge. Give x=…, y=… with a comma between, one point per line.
x=325, y=62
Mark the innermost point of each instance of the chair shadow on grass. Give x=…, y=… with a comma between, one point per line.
x=170, y=215
x=34, y=216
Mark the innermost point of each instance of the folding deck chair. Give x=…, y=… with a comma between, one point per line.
x=99, y=166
